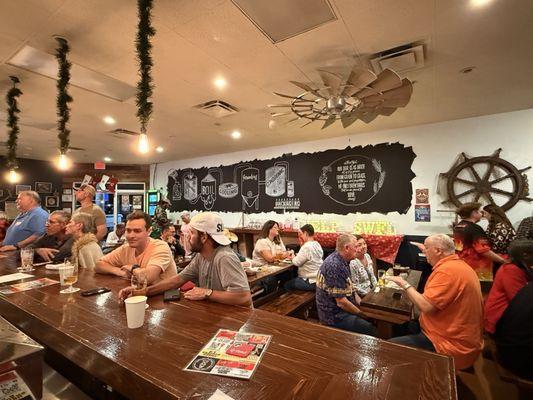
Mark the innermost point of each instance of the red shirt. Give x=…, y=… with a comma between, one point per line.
x=508, y=282
x=3, y=228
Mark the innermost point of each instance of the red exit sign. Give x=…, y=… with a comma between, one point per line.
x=99, y=165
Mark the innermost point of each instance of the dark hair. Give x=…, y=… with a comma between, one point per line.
x=497, y=215
x=138, y=214
x=518, y=248
x=166, y=227
x=358, y=237
x=266, y=229
x=308, y=228
x=465, y=211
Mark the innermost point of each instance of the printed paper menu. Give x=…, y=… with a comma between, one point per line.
x=230, y=353
x=21, y=287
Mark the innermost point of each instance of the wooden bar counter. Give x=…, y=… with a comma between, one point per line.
x=303, y=360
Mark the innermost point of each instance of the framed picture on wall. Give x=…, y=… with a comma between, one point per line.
x=67, y=198
x=22, y=188
x=11, y=210
x=52, y=201
x=67, y=191
x=43, y=187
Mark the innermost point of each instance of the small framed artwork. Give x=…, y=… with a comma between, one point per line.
x=22, y=188
x=43, y=187
x=67, y=198
x=52, y=201
x=422, y=213
x=67, y=191
x=422, y=196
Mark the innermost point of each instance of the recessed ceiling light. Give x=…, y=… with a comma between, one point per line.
x=107, y=159
x=236, y=135
x=479, y=3
x=159, y=149
x=109, y=120
x=220, y=83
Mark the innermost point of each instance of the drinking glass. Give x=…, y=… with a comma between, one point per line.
x=381, y=278
x=138, y=279
x=69, y=276
x=26, y=260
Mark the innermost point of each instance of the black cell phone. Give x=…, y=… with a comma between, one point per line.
x=172, y=295
x=92, y=292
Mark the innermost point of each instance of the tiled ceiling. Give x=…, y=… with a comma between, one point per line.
x=198, y=41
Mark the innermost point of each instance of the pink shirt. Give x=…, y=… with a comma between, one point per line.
x=184, y=238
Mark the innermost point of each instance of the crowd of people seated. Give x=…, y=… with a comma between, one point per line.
x=453, y=314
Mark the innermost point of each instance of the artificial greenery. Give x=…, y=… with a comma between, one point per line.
x=145, y=86
x=12, y=122
x=63, y=98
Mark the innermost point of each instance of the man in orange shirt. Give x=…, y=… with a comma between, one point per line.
x=451, y=306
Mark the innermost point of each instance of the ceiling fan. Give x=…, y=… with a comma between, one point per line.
x=362, y=95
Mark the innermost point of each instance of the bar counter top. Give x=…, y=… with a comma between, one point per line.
x=303, y=360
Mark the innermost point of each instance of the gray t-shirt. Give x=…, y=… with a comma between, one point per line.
x=222, y=272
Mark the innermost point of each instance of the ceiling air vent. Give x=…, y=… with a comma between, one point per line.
x=216, y=108
x=121, y=133
x=400, y=59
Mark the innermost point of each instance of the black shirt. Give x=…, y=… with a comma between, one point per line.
x=514, y=334
x=51, y=242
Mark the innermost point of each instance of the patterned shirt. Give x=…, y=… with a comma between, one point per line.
x=333, y=281
x=363, y=278
x=500, y=236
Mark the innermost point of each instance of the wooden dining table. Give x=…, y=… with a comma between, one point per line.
x=389, y=305
x=302, y=361
x=269, y=270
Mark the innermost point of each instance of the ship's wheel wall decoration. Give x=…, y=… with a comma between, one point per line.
x=488, y=179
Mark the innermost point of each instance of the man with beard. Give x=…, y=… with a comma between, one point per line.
x=141, y=251
x=215, y=269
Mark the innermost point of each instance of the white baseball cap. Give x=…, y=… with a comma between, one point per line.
x=211, y=224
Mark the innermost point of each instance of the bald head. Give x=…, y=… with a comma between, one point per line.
x=438, y=247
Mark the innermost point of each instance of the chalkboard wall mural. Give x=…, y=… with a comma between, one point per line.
x=357, y=179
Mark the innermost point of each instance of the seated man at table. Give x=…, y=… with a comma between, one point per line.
x=451, y=307
x=55, y=245
x=153, y=255
x=168, y=235
x=336, y=300
x=216, y=270
x=362, y=269
x=116, y=237
x=29, y=225
x=308, y=260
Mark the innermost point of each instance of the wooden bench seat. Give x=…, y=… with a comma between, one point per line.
x=290, y=302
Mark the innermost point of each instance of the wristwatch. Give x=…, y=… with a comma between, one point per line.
x=407, y=286
x=208, y=293
x=134, y=267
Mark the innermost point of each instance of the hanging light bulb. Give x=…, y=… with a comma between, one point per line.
x=143, y=146
x=12, y=176
x=63, y=163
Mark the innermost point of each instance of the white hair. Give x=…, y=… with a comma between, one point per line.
x=444, y=242
x=343, y=240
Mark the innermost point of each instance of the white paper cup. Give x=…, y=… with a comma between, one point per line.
x=64, y=271
x=135, y=307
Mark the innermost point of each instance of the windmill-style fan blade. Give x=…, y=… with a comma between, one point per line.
x=307, y=123
x=331, y=120
x=368, y=91
x=387, y=111
x=280, y=114
x=331, y=80
x=358, y=79
x=398, y=97
x=368, y=117
x=278, y=105
x=292, y=120
x=348, y=118
x=387, y=80
x=307, y=88
x=285, y=95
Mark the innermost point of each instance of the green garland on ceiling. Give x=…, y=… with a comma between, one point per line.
x=63, y=98
x=12, y=122
x=143, y=46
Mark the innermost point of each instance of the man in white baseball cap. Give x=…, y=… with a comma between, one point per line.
x=216, y=269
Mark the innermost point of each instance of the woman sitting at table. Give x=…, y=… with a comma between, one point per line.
x=362, y=269
x=85, y=250
x=509, y=280
x=269, y=248
x=500, y=230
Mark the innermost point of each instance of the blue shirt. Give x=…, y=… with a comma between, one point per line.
x=26, y=224
x=333, y=281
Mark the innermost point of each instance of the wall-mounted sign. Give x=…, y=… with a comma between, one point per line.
x=356, y=179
